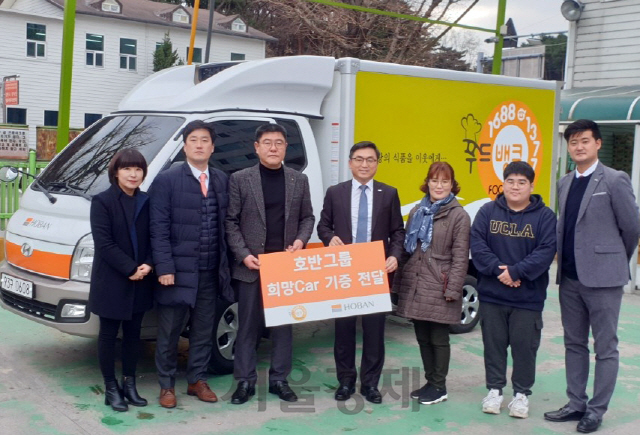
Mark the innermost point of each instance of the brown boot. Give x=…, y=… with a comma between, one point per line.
x=168, y=398
x=202, y=390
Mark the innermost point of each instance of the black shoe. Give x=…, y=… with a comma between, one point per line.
x=371, y=394
x=433, y=395
x=243, y=393
x=344, y=392
x=130, y=392
x=563, y=414
x=589, y=423
x=113, y=396
x=284, y=392
x=415, y=394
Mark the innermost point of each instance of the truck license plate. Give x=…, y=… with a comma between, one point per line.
x=17, y=286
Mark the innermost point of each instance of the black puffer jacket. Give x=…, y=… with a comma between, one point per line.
x=176, y=208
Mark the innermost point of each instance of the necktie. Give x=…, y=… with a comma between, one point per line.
x=203, y=184
x=363, y=216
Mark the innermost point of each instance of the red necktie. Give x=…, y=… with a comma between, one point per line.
x=203, y=184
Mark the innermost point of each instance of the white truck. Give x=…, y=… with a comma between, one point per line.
x=415, y=115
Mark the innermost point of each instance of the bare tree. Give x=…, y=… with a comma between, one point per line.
x=310, y=28
x=303, y=27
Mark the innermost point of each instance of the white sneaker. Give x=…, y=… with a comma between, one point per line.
x=519, y=406
x=492, y=403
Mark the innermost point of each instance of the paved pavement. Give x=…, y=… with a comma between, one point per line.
x=50, y=384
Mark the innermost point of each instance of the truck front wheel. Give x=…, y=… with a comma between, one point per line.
x=224, y=338
x=470, y=315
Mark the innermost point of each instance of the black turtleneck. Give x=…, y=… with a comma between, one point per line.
x=274, y=198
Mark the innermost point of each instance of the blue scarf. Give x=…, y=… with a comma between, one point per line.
x=421, y=225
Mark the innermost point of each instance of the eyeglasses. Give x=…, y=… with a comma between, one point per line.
x=278, y=144
x=520, y=183
x=443, y=183
x=361, y=160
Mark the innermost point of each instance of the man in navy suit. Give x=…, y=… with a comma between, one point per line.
x=356, y=211
x=597, y=234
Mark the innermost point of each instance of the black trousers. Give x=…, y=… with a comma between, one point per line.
x=171, y=321
x=433, y=339
x=250, y=330
x=344, y=349
x=504, y=326
x=130, y=345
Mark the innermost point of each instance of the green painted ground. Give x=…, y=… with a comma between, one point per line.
x=50, y=384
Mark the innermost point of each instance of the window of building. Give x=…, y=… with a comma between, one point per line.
x=197, y=54
x=36, y=40
x=238, y=25
x=237, y=56
x=95, y=49
x=180, y=16
x=16, y=116
x=128, y=54
x=90, y=118
x=111, y=6
x=50, y=118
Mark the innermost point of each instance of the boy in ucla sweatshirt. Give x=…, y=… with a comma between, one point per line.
x=513, y=242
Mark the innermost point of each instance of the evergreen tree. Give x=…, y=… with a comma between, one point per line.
x=165, y=56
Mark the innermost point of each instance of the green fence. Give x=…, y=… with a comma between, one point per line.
x=10, y=192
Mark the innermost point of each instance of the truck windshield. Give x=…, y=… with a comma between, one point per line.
x=82, y=166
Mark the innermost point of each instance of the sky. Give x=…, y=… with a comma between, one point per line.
x=529, y=16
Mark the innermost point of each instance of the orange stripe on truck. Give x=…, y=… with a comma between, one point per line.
x=46, y=263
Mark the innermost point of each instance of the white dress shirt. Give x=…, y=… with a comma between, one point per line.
x=590, y=170
x=355, y=206
x=196, y=173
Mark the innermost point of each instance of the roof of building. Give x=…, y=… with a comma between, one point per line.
x=151, y=12
x=611, y=103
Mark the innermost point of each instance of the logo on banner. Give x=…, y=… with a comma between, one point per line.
x=299, y=312
x=510, y=133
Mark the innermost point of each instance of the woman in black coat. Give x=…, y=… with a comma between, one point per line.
x=121, y=281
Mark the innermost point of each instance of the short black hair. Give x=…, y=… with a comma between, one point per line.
x=580, y=126
x=364, y=144
x=197, y=125
x=520, y=168
x=128, y=158
x=270, y=128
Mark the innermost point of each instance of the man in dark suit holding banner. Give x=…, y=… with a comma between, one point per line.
x=358, y=211
x=269, y=211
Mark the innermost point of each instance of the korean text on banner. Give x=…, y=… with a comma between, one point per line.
x=323, y=283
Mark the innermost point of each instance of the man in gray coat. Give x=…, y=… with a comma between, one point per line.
x=597, y=232
x=269, y=211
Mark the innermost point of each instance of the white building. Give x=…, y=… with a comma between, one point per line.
x=113, y=51
x=603, y=49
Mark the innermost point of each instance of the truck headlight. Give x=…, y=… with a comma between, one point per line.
x=82, y=259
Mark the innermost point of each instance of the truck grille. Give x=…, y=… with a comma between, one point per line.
x=29, y=306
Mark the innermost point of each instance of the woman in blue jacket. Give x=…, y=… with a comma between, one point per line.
x=121, y=282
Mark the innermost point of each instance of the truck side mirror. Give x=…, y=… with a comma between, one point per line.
x=8, y=174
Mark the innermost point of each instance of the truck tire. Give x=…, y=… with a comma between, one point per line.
x=224, y=338
x=470, y=315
